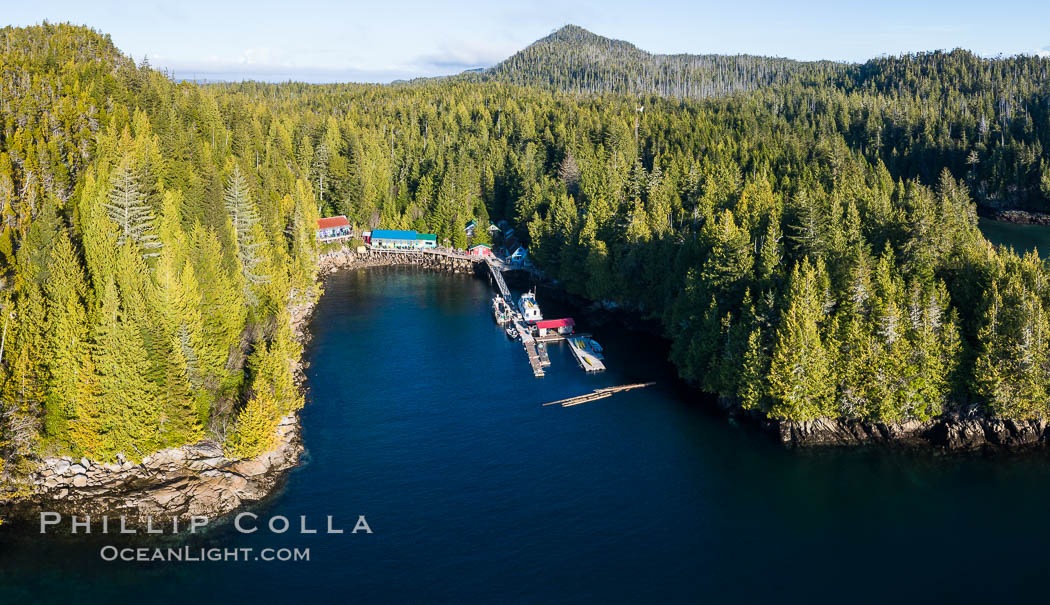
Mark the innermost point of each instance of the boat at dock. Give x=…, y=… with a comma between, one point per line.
x=512, y=333
x=530, y=310
x=501, y=311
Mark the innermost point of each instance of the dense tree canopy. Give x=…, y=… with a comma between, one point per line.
x=804, y=232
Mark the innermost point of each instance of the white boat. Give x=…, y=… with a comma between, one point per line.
x=511, y=332
x=500, y=310
x=530, y=311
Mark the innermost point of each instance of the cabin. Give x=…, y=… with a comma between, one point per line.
x=333, y=228
x=471, y=228
x=510, y=244
x=367, y=236
x=389, y=239
x=479, y=250
x=519, y=257
x=427, y=240
x=563, y=326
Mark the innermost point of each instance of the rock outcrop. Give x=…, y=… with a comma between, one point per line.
x=1020, y=217
x=178, y=482
x=952, y=430
x=350, y=259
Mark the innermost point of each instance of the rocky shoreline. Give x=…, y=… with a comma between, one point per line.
x=951, y=431
x=346, y=259
x=1019, y=217
x=191, y=480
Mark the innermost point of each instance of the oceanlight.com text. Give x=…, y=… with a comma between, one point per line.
x=188, y=554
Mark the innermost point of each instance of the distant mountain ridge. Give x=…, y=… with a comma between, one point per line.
x=574, y=59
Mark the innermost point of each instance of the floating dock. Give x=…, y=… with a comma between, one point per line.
x=584, y=356
x=533, y=353
x=535, y=346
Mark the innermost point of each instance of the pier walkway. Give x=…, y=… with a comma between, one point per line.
x=497, y=275
x=532, y=351
x=495, y=266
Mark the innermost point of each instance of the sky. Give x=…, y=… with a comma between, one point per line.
x=385, y=40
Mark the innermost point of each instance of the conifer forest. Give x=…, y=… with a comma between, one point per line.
x=805, y=233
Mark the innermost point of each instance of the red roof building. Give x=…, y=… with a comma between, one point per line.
x=562, y=326
x=332, y=221
x=333, y=227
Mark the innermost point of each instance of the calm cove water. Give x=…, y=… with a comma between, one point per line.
x=1021, y=237
x=426, y=419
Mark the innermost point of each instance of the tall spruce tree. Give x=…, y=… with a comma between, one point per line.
x=244, y=218
x=129, y=210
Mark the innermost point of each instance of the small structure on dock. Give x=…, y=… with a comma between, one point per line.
x=390, y=239
x=333, y=228
x=563, y=326
x=479, y=250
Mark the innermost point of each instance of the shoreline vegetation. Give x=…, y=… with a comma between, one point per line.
x=804, y=234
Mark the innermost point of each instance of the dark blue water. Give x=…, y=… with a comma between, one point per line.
x=424, y=418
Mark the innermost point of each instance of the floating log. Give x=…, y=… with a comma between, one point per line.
x=626, y=387
x=587, y=399
x=596, y=394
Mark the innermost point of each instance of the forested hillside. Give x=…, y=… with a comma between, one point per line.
x=150, y=249
x=985, y=119
x=573, y=59
x=810, y=246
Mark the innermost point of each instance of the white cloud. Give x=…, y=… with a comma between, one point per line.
x=463, y=56
x=270, y=64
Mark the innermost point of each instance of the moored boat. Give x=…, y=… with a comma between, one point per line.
x=530, y=310
x=500, y=310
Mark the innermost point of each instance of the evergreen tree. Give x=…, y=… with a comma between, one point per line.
x=244, y=218
x=66, y=335
x=127, y=208
x=801, y=373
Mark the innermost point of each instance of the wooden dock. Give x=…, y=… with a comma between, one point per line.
x=534, y=355
x=585, y=358
x=555, y=337
x=599, y=394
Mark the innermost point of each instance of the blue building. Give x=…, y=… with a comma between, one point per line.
x=390, y=239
